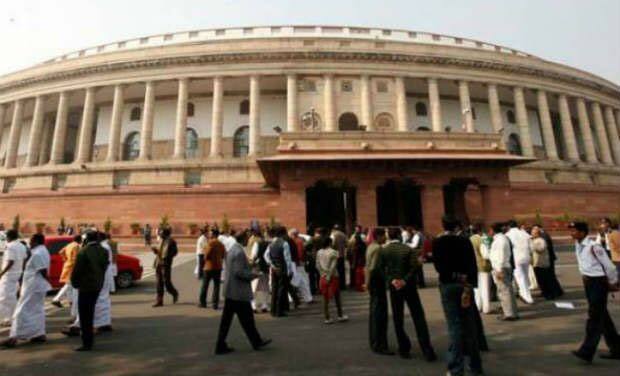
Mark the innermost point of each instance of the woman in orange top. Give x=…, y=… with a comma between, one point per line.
x=68, y=254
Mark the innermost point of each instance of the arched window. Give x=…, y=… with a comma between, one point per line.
x=190, y=109
x=244, y=107
x=420, y=109
x=136, y=114
x=131, y=147
x=191, y=143
x=473, y=113
x=384, y=121
x=510, y=116
x=348, y=122
x=514, y=144
x=241, y=142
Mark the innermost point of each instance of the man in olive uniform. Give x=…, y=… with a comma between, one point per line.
x=88, y=276
x=164, y=254
x=399, y=263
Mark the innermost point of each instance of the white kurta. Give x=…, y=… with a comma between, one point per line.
x=29, y=317
x=9, y=283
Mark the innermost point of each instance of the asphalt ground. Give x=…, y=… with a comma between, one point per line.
x=180, y=339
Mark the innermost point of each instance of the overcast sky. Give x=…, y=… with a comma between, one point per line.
x=580, y=33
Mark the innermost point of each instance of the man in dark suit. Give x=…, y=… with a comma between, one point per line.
x=238, y=295
x=164, y=254
x=399, y=263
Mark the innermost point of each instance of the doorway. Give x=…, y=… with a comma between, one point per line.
x=329, y=203
x=399, y=203
x=455, y=203
x=348, y=122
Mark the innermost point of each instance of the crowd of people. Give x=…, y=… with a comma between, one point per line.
x=272, y=269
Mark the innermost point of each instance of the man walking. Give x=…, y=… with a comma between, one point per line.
x=599, y=276
x=522, y=253
x=238, y=294
x=214, y=253
x=68, y=254
x=499, y=255
x=399, y=263
x=375, y=282
x=12, y=265
x=164, y=255
x=455, y=262
x=278, y=256
x=88, y=277
x=339, y=242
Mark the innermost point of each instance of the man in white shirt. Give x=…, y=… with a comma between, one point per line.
x=522, y=253
x=599, y=273
x=12, y=265
x=28, y=321
x=201, y=244
x=499, y=255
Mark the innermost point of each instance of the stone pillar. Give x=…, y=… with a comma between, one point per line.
x=612, y=131
x=292, y=122
x=254, y=147
x=432, y=207
x=466, y=110
x=60, y=129
x=180, y=125
x=217, y=117
x=495, y=109
x=116, y=123
x=599, y=125
x=148, y=114
x=36, y=128
x=366, y=103
x=15, y=131
x=46, y=137
x=567, y=129
x=328, y=103
x=522, y=122
x=85, y=141
x=547, y=127
x=401, y=105
x=366, y=203
x=2, y=112
x=435, y=104
x=586, y=131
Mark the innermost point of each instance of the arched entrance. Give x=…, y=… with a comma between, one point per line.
x=348, y=122
x=399, y=203
x=455, y=199
x=330, y=202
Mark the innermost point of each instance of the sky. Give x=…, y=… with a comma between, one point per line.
x=582, y=34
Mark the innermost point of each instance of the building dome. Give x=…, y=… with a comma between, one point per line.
x=310, y=125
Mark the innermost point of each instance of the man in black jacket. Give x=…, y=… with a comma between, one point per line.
x=88, y=276
x=455, y=262
x=164, y=255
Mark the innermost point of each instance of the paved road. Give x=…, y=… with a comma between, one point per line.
x=179, y=340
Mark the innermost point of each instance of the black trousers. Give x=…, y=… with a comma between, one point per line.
x=163, y=274
x=599, y=322
x=243, y=310
x=86, y=310
x=554, y=284
x=207, y=277
x=544, y=278
x=313, y=277
x=279, y=293
x=377, y=319
x=398, y=298
x=342, y=276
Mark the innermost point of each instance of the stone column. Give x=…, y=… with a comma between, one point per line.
x=254, y=139
x=547, y=127
x=36, y=128
x=292, y=122
x=435, y=104
x=46, y=144
x=60, y=129
x=217, y=118
x=85, y=141
x=328, y=103
x=466, y=110
x=146, y=129
x=567, y=129
x=401, y=105
x=116, y=123
x=599, y=125
x=586, y=131
x=612, y=131
x=522, y=122
x=180, y=125
x=495, y=109
x=432, y=207
x=15, y=131
x=366, y=103
x=2, y=112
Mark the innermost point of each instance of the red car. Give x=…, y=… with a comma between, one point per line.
x=129, y=268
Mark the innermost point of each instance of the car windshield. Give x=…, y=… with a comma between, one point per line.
x=56, y=246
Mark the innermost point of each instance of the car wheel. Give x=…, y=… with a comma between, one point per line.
x=124, y=280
